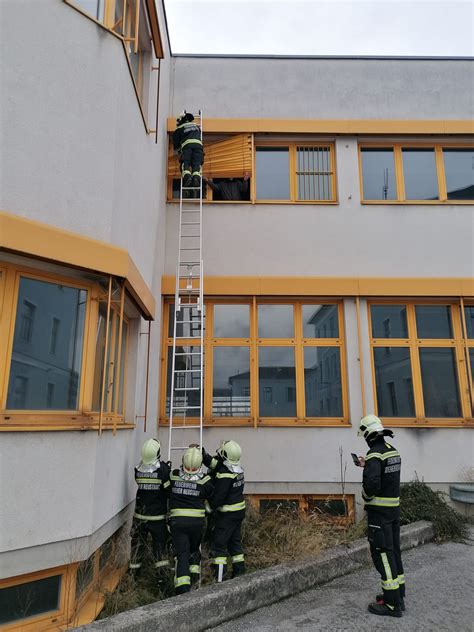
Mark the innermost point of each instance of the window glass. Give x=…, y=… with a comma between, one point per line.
x=433, y=321
x=99, y=358
x=313, y=173
x=440, y=382
x=84, y=575
x=389, y=321
x=471, y=359
x=322, y=381
x=123, y=361
x=393, y=380
x=419, y=169
x=378, y=173
x=327, y=507
x=280, y=505
x=231, y=321
x=36, y=361
x=459, y=171
x=29, y=599
x=320, y=321
x=185, y=328
x=276, y=374
x=273, y=173
x=275, y=321
x=187, y=381
x=469, y=315
x=231, y=382
x=95, y=8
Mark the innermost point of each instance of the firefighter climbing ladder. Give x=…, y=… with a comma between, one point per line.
x=187, y=364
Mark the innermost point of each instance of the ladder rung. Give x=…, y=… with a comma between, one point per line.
x=187, y=322
x=190, y=223
x=191, y=353
x=191, y=189
x=190, y=210
x=190, y=264
x=187, y=370
x=190, y=248
x=184, y=447
x=187, y=388
x=186, y=407
x=189, y=276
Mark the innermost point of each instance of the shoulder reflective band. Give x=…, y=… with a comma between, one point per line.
x=235, y=507
x=377, y=455
x=373, y=455
x=173, y=477
x=166, y=484
x=187, y=513
x=203, y=480
x=195, y=569
x=152, y=518
x=149, y=481
x=223, y=475
x=182, y=581
x=378, y=501
x=238, y=558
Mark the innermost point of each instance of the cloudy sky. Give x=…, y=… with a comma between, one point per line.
x=322, y=27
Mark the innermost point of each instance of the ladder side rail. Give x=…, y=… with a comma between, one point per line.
x=201, y=393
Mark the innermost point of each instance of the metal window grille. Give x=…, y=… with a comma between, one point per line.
x=314, y=173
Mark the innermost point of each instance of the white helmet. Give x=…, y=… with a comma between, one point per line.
x=151, y=451
x=368, y=425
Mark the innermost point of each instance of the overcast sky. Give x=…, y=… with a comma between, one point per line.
x=322, y=27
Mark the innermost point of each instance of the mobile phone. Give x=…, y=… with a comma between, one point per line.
x=355, y=458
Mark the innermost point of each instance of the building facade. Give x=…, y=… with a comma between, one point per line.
x=340, y=283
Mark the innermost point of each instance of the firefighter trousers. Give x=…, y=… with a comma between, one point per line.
x=227, y=540
x=192, y=157
x=159, y=540
x=384, y=539
x=186, y=534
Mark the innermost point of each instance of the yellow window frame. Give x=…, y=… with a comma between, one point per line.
x=458, y=343
x=397, y=147
x=84, y=417
x=297, y=342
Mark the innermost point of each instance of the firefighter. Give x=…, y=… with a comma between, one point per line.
x=381, y=492
x=187, y=142
x=228, y=505
x=189, y=489
x=152, y=477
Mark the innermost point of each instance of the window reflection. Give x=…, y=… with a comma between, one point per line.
x=469, y=315
x=459, y=171
x=440, y=382
x=433, y=321
x=272, y=166
x=389, y=321
x=275, y=321
x=378, y=174
x=231, y=382
x=29, y=599
x=320, y=321
x=322, y=381
x=276, y=377
x=231, y=321
x=419, y=169
x=393, y=381
x=187, y=325
x=45, y=372
x=187, y=380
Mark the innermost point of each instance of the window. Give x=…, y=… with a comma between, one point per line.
x=417, y=173
x=295, y=172
x=264, y=363
x=334, y=507
x=84, y=574
x=53, y=356
x=424, y=376
x=22, y=601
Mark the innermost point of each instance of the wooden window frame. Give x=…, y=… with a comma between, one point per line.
x=397, y=147
x=297, y=342
x=84, y=417
x=458, y=343
x=302, y=500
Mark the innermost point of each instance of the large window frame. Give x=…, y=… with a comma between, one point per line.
x=254, y=343
x=303, y=505
x=85, y=416
x=458, y=343
x=398, y=147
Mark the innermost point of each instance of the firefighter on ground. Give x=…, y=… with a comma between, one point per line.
x=228, y=505
x=381, y=494
x=189, y=489
x=187, y=142
x=153, y=479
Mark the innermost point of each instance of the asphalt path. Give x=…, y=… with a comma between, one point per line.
x=440, y=596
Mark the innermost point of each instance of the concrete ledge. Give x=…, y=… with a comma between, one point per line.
x=199, y=610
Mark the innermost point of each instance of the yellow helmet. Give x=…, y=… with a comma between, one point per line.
x=368, y=425
x=192, y=460
x=230, y=451
x=151, y=451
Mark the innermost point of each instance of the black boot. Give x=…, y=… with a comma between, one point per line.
x=384, y=610
x=187, y=179
x=196, y=182
x=380, y=600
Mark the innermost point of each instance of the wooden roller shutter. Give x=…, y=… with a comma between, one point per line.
x=230, y=158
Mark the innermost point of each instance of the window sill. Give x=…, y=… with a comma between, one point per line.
x=40, y=422
x=286, y=202
x=392, y=422
x=261, y=422
x=419, y=202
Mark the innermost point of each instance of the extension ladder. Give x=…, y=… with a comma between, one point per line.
x=187, y=364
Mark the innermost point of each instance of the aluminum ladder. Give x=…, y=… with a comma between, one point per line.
x=187, y=385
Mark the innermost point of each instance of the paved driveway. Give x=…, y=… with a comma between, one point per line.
x=440, y=596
